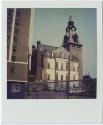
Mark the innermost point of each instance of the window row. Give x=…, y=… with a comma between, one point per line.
x=75, y=68
x=57, y=77
x=62, y=77
x=57, y=55
x=15, y=40
x=57, y=66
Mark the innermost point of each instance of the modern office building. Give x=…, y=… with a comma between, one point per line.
x=19, y=50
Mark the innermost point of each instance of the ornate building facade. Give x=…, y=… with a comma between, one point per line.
x=61, y=63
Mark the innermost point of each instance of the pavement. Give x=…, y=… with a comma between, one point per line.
x=53, y=95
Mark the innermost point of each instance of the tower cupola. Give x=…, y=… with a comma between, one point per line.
x=71, y=35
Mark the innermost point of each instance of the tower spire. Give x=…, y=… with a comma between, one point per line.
x=70, y=18
x=71, y=35
x=71, y=44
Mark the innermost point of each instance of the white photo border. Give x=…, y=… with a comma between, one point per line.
x=52, y=110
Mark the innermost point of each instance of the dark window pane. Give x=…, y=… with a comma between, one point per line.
x=62, y=77
x=13, y=58
x=62, y=66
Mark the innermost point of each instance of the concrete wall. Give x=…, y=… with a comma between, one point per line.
x=20, y=71
x=23, y=35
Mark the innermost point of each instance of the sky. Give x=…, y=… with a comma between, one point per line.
x=49, y=26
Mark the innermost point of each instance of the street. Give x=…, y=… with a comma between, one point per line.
x=53, y=95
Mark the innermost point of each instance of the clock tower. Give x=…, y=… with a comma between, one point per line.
x=72, y=43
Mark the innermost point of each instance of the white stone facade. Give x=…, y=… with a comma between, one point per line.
x=58, y=68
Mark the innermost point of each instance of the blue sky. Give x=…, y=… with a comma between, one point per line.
x=49, y=26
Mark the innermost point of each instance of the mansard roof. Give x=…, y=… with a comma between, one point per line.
x=64, y=53
x=60, y=52
x=45, y=47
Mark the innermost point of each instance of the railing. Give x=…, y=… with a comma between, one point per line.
x=63, y=89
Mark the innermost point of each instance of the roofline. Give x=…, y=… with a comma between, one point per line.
x=49, y=45
x=78, y=44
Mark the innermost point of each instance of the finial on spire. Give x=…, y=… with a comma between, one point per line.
x=70, y=18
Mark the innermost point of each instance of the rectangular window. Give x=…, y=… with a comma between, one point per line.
x=13, y=58
x=8, y=28
x=73, y=77
x=15, y=43
x=16, y=87
x=73, y=68
x=62, y=66
x=15, y=38
x=61, y=77
x=9, y=21
x=74, y=86
x=10, y=12
x=18, y=13
x=16, y=31
x=14, y=49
